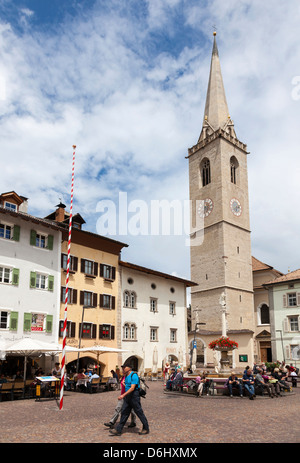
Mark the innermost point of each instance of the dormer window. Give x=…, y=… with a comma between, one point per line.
x=10, y=206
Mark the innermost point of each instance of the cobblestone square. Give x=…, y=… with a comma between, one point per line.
x=172, y=419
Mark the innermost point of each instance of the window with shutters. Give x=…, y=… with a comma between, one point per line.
x=108, y=272
x=70, y=329
x=107, y=301
x=72, y=295
x=73, y=263
x=89, y=268
x=88, y=299
x=106, y=331
x=294, y=323
x=89, y=330
x=292, y=299
x=41, y=281
x=41, y=240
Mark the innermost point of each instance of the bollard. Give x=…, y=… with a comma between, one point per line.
x=38, y=392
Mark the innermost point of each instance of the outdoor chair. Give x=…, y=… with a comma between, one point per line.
x=94, y=385
x=18, y=389
x=6, y=390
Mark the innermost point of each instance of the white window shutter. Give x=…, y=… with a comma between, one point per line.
x=285, y=325
x=287, y=352
x=284, y=300
x=298, y=298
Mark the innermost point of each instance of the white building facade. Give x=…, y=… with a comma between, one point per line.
x=153, y=318
x=284, y=297
x=30, y=250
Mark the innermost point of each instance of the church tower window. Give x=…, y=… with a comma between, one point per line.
x=233, y=169
x=205, y=172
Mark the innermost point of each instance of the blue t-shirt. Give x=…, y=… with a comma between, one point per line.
x=130, y=379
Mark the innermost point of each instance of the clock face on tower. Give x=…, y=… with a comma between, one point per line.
x=236, y=207
x=205, y=207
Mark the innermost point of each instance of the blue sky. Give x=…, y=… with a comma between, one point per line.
x=126, y=82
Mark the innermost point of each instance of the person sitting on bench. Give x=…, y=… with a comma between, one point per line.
x=233, y=382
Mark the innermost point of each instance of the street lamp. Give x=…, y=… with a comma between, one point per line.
x=80, y=334
x=280, y=331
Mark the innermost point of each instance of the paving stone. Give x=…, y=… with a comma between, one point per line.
x=172, y=419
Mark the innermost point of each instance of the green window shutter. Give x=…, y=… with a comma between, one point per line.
x=32, y=237
x=16, y=233
x=32, y=279
x=50, y=242
x=14, y=321
x=50, y=283
x=27, y=321
x=49, y=323
x=15, y=276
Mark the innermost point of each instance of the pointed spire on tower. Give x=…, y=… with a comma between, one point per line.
x=216, y=114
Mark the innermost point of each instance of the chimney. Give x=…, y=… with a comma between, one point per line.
x=60, y=212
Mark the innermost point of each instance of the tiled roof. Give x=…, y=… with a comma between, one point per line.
x=291, y=276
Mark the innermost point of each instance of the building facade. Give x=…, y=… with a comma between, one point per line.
x=30, y=250
x=262, y=273
x=284, y=298
x=94, y=302
x=153, y=326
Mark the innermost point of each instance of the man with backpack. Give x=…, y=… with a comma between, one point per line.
x=131, y=399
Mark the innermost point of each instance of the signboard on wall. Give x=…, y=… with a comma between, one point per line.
x=243, y=358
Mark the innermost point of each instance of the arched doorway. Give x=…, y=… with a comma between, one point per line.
x=85, y=363
x=133, y=362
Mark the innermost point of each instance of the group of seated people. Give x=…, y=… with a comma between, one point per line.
x=273, y=383
x=258, y=380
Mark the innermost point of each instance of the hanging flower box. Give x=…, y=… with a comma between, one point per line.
x=223, y=343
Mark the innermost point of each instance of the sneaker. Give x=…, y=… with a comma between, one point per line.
x=132, y=425
x=109, y=425
x=114, y=432
x=144, y=431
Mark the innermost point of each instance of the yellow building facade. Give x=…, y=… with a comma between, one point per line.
x=94, y=304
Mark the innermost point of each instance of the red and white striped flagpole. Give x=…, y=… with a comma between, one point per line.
x=62, y=380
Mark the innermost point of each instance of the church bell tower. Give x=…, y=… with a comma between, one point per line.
x=221, y=261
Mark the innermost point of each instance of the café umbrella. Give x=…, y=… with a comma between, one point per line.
x=28, y=347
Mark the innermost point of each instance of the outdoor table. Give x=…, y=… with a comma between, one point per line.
x=46, y=381
x=82, y=381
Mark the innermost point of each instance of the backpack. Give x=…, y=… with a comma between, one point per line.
x=142, y=386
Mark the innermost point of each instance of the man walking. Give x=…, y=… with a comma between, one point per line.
x=131, y=398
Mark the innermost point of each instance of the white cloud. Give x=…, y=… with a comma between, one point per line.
x=111, y=85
